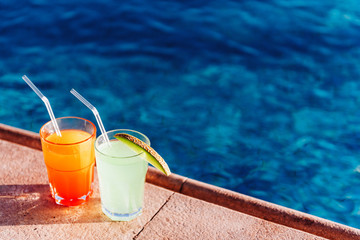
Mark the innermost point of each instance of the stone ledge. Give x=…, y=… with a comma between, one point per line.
x=20, y=136
x=269, y=211
x=219, y=196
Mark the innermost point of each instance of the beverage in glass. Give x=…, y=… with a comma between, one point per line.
x=69, y=159
x=121, y=174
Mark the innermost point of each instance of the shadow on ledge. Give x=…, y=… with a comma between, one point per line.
x=33, y=204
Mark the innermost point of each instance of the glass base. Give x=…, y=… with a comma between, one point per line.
x=72, y=202
x=121, y=216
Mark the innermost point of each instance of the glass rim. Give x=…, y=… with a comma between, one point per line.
x=68, y=144
x=119, y=130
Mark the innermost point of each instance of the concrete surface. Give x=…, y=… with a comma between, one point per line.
x=184, y=217
x=173, y=211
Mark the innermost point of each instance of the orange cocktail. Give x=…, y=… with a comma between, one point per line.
x=69, y=159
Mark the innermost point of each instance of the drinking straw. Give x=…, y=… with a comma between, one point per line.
x=93, y=109
x=47, y=104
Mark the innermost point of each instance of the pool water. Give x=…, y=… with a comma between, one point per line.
x=261, y=97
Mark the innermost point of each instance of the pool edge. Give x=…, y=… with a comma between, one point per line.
x=217, y=195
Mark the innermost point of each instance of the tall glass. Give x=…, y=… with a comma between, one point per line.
x=69, y=159
x=121, y=176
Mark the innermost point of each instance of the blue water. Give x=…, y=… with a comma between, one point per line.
x=261, y=97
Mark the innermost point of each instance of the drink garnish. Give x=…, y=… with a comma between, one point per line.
x=151, y=155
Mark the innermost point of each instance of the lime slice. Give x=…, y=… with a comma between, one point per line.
x=151, y=156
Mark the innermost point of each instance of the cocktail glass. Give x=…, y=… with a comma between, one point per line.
x=69, y=159
x=121, y=176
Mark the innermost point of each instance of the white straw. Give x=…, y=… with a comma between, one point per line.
x=93, y=109
x=46, y=101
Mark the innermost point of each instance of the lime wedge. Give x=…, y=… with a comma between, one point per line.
x=150, y=155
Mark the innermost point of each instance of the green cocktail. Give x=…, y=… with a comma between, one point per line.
x=121, y=172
